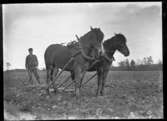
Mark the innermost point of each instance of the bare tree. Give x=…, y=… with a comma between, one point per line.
x=127, y=63
x=132, y=64
x=145, y=61
x=122, y=63
x=149, y=60
x=8, y=65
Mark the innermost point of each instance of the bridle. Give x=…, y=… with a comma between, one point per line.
x=105, y=55
x=97, y=37
x=92, y=47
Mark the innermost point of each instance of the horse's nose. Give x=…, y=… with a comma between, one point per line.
x=127, y=53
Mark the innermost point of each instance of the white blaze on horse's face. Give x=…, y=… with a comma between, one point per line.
x=99, y=50
x=102, y=49
x=97, y=42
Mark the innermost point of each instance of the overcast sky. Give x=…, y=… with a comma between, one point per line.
x=39, y=25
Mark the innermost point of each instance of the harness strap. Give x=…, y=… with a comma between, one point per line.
x=77, y=53
x=108, y=58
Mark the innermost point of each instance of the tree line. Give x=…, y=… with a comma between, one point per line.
x=146, y=64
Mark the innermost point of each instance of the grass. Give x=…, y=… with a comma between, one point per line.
x=128, y=94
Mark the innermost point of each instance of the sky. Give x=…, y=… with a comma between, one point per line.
x=40, y=24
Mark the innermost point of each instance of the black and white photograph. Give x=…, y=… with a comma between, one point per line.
x=85, y=60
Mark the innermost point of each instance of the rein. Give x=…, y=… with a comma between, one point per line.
x=108, y=58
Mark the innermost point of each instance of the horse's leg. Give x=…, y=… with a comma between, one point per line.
x=47, y=76
x=56, y=70
x=78, y=76
x=104, y=76
x=48, y=79
x=72, y=75
x=51, y=74
x=99, y=85
x=54, y=73
x=83, y=75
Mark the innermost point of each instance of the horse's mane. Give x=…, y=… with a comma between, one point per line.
x=92, y=38
x=86, y=37
x=116, y=37
x=119, y=36
x=72, y=44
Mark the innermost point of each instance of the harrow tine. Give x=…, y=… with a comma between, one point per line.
x=72, y=81
x=60, y=72
x=83, y=77
x=83, y=83
x=90, y=78
x=68, y=85
x=63, y=82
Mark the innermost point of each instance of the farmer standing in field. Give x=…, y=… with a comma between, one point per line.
x=31, y=66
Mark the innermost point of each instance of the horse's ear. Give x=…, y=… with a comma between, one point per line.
x=91, y=28
x=77, y=37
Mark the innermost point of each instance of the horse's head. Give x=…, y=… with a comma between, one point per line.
x=118, y=42
x=121, y=46
x=91, y=43
x=96, y=40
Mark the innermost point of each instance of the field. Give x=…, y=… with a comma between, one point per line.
x=128, y=94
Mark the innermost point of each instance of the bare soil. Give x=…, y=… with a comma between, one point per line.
x=127, y=95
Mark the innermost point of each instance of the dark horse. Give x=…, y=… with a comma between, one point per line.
x=118, y=42
x=57, y=55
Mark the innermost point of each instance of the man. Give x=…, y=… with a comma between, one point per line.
x=31, y=66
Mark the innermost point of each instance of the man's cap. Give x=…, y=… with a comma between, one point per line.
x=30, y=49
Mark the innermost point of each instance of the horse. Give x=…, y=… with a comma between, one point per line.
x=57, y=55
x=116, y=43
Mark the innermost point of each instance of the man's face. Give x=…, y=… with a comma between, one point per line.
x=30, y=52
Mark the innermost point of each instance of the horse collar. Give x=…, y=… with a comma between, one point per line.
x=110, y=59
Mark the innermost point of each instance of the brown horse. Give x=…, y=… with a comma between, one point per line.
x=118, y=42
x=57, y=55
